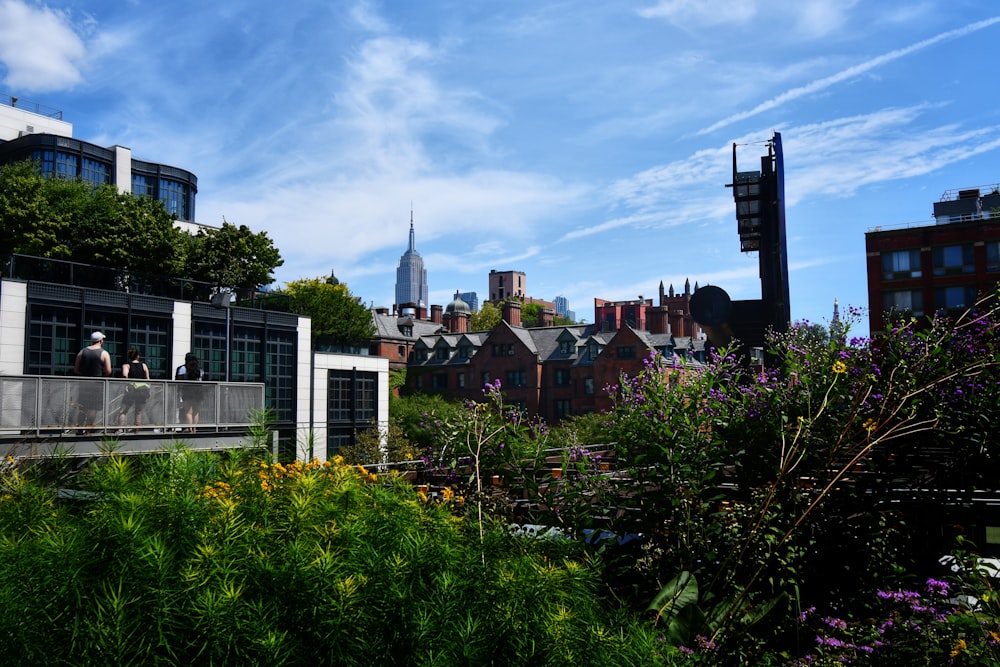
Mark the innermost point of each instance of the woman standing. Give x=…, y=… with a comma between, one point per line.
x=136, y=393
x=190, y=395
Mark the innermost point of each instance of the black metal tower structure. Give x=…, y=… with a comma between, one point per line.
x=760, y=223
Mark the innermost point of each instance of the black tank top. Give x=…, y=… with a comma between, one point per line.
x=135, y=371
x=90, y=362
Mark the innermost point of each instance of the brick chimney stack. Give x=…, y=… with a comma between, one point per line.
x=436, y=312
x=512, y=313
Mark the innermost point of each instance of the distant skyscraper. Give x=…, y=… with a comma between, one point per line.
x=562, y=308
x=470, y=298
x=411, y=277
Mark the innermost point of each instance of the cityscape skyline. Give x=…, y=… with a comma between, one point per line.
x=589, y=148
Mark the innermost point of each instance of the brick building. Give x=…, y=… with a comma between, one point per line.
x=549, y=371
x=944, y=267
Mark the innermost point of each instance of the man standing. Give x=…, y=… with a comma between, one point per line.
x=92, y=361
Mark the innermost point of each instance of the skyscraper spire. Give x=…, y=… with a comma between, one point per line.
x=413, y=238
x=411, y=277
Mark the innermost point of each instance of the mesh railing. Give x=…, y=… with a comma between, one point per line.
x=52, y=405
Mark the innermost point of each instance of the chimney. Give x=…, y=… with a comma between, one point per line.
x=512, y=313
x=421, y=312
x=381, y=310
x=657, y=320
x=677, y=322
x=436, y=311
x=458, y=323
x=546, y=317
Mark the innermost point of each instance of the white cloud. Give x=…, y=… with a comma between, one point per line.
x=701, y=12
x=38, y=48
x=849, y=73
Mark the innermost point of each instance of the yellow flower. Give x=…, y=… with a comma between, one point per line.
x=447, y=494
x=422, y=496
x=870, y=425
x=839, y=367
x=958, y=649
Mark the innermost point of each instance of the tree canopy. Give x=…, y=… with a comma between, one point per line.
x=56, y=218
x=232, y=256
x=487, y=317
x=338, y=317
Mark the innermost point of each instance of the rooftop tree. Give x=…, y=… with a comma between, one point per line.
x=234, y=257
x=338, y=317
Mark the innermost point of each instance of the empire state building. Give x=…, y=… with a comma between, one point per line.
x=411, y=277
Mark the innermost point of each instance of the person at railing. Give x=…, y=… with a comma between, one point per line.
x=136, y=393
x=190, y=395
x=92, y=361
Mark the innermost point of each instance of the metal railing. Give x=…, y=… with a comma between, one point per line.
x=53, y=405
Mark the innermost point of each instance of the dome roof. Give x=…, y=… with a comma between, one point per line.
x=458, y=307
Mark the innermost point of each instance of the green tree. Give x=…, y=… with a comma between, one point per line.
x=234, y=257
x=71, y=219
x=120, y=230
x=29, y=223
x=338, y=317
x=531, y=314
x=486, y=318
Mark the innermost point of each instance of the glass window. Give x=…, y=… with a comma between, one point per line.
x=94, y=172
x=588, y=386
x=993, y=256
x=351, y=407
x=151, y=336
x=952, y=259
x=562, y=376
x=46, y=161
x=209, y=345
x=460, y=379
x=279, y=378
x=67, y=166
x=439, y=381
x=563, y=408
x=141, y=186
x=901, y=264
x=626, y=352
x=246, y=362
x=565, y=347
x=515, y=379
x=174, y=197
x=954, y=297
x=441, y=353
x=906, y=301
x=53, y=340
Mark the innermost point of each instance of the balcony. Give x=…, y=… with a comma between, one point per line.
x=70, y=416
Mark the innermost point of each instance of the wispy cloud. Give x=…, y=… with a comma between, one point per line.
x=39, y=48
x=850, y=73
x=702, y=12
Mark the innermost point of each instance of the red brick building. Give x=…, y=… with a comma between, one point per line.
x=549, y=371
x=945, y=267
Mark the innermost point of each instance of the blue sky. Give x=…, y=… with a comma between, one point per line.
x=585, y=143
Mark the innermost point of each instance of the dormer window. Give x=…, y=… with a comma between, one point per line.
x=407, y=330
x=565, y=347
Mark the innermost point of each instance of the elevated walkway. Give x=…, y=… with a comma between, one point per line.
x=44, y=416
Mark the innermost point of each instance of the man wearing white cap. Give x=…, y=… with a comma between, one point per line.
x=92, y=361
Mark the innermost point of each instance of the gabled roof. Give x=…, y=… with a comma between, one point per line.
x=548, y=339
x=390, y=326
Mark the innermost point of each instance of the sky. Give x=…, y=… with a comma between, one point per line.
x=585, y=143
